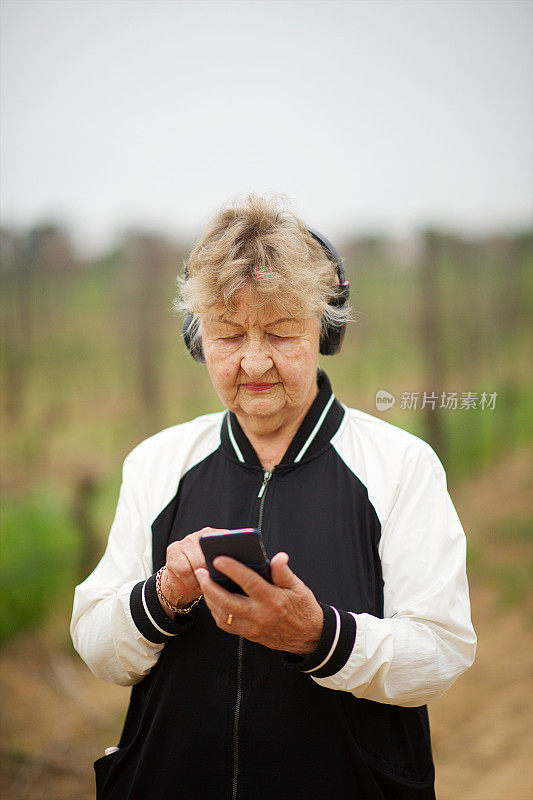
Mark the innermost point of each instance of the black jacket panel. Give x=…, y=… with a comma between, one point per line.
x=222, y=718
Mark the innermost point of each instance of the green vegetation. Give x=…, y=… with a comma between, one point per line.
x=39, y=546
x=92, y=362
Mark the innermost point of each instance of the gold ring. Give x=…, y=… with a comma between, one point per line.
x=229, y=619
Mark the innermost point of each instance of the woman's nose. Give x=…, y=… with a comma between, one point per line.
x=256, y=359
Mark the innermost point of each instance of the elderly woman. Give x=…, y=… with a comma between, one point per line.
x=314, y=685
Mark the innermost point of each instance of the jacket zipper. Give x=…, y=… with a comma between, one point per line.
x=266, y=478
x=238, y=697
x=236, y=721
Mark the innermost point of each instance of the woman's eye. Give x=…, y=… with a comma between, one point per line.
x=231, y=338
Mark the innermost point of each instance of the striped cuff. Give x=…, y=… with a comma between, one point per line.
x=149, y=616
x=334, y=648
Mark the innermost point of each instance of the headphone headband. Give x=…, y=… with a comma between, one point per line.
x=330, y=338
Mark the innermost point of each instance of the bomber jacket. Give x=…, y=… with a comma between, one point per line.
x=363, y=511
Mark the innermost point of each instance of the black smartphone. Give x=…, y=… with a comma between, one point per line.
x=244, y=545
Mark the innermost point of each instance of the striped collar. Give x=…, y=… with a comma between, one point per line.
x=318, y=426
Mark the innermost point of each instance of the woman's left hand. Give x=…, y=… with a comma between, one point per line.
x=282, y=615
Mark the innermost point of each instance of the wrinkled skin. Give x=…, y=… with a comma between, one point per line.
x=263, y=367
x=283, y=615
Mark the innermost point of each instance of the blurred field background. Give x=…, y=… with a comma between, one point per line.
x=92, y=362
x=402, y=129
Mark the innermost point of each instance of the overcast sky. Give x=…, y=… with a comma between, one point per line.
x=370, y=115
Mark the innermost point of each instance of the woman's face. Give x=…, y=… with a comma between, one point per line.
x=263, y=366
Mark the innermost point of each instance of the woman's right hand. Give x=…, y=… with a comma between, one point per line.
x=178, y=581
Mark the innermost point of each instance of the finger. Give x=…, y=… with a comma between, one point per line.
x=222, y=603
x=208, y=529
x=191, y=546
x=180, y=572
x=219, y=615
x=194, y=553
x=196, y=535
x=248, y=579
x=179, y=567
x=191, y=565
x=281, y=573
x=204, y=579
x=217, y=596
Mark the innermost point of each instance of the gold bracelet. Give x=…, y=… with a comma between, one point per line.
x=169, y=605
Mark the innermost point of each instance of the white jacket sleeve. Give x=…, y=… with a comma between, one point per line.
x=426, y=639
x=118, y=626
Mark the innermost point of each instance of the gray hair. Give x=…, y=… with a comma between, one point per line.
x=257, y=242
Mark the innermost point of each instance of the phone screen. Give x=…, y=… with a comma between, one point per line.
x=244, y=545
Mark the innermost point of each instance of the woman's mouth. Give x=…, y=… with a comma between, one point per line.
x=258, y=387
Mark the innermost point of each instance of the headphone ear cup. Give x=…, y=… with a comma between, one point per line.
x=194, y=347
x=331, y=340
x=332, y=335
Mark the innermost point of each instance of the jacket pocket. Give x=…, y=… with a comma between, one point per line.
x=395, y=744
x=102, y=768
x=397, y=786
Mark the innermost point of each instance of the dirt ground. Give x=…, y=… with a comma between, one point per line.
x=57, y=718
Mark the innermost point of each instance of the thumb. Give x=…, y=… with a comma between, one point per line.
x=281, y=573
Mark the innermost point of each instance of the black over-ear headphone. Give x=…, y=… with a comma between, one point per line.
x=332, y=335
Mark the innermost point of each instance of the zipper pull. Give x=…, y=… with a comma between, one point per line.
x=266, y=478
